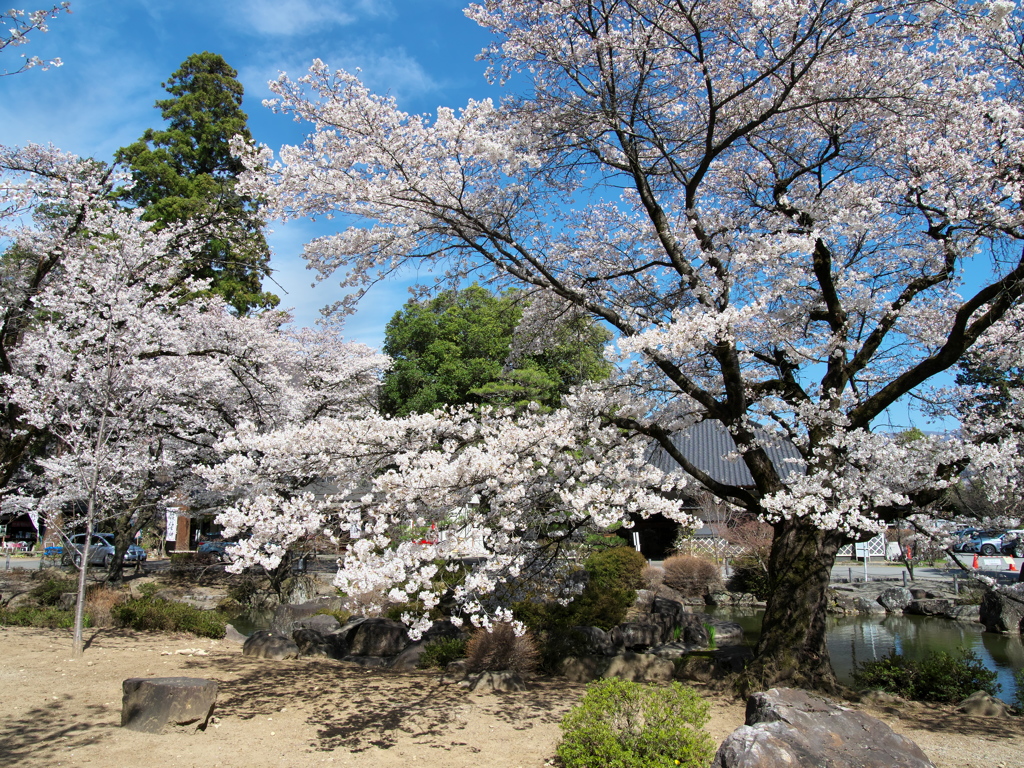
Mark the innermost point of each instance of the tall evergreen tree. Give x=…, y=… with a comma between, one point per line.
x=187, y=174
x=460, y=348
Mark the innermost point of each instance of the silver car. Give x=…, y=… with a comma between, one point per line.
x=101, y=550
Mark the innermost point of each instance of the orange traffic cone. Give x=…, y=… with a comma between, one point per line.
x=975, y=565
x=1012, y=566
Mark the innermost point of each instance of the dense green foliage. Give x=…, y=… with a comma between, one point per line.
x=612, y=578
x=455, y=349
x=940, y=676
x=748, y=575
x=620, y=724
x=437, y=654
x=49, y=592
x=148, y=613
x=186, y=174
x=994, y=386
x=47, y=617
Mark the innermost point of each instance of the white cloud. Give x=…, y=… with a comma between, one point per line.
x=298, y=17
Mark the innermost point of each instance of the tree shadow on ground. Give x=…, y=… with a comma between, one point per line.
x=946, y=718
x=47, y=733
x=353, y=708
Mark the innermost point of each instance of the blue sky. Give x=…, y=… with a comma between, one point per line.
x=116, y=54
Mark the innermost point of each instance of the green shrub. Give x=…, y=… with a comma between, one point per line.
x=613, y=577
x=940, y=676
x=49, y=592
x=632, y=725
x=691, y=575
x=148, y=613
x=45, y=618
x=1018, y=678
x=748, y=575
x=437, y=654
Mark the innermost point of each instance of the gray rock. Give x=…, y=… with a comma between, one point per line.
x=455, y=672
x=968, y=613
x=67, y=602
x=502, y=681
x=725, y=631
x=895, y=599
x=982, y=704
x=929, y=607
x=790, y=727
x=378, y=637
x=673, y=650
x=636, y=636
x=311, y=642
x=639, y=667
x=718, y=597
x=153, y=704
x=584, y=669
x=595, y=640
x=287, y=618
x=266, y=644
x=370, y=662
x=1002, y=609
x=671, y=612
x=233, y=635
x=323, y=623
x=409, y=659
x=865, y=606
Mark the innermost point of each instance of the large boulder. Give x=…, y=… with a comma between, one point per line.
x=312, y=642
x=594, y=640
x=409, y=659
x=895, y=599
x=668, y=613
x=502, y=681
x=267, y=644
x=288, y=618
x=636, y=636
x=153, y=704
x=1002, y=610
x=584, y=669
x=983, y=704
x=930, y=607
x=640, y=668
x=790, y=727
x=378, y=637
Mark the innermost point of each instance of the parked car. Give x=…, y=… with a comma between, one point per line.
x=963, y=538
x=991, y=543
x=215, y=547
x=101, y=550
x=1013, y=544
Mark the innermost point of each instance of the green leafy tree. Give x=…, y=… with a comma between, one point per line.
x=460, y=348
x=186, y=174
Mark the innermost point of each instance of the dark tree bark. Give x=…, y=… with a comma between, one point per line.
x=792, y=649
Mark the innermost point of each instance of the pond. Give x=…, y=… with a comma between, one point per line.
x=853, y=640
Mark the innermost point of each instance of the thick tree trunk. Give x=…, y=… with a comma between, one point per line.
x=792, y=649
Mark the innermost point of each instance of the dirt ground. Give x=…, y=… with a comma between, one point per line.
x=55, y=711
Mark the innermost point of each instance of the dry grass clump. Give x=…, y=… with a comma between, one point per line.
x=99, y=603
x=653, y=577
x=500, y=648
x=692, y=576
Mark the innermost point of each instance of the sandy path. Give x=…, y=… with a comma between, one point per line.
x=55, y=711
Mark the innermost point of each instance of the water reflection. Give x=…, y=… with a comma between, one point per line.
x=853, y=640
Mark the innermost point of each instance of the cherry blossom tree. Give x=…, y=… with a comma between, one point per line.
x=18, y=24
x=794, y=216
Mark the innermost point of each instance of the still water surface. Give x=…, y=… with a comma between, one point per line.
x=853, y=640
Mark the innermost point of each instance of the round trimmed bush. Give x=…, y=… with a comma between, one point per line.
x=692, y=576
x=621, y=724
